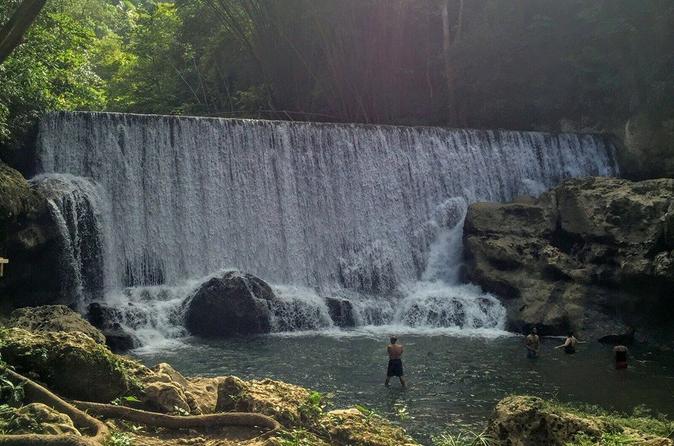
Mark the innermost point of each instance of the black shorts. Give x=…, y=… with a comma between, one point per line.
x=395, y=367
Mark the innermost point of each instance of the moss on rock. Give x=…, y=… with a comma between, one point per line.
x=53, y=318
x=16, y=195
x=72, y=364
x=35, y=418
x=277, y=399
x=352, y=427
x=299, y=410
x=531, y=421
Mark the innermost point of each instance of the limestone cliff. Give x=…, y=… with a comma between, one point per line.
x=592, y=255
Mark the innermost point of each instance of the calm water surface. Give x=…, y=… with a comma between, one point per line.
x=453, y=379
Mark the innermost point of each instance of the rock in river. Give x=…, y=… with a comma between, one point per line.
x=234, y=304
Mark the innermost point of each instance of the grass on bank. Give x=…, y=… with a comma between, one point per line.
x=620, y=427
x=642, y=420
x=468, y=438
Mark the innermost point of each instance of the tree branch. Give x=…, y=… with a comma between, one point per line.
x=12, y=33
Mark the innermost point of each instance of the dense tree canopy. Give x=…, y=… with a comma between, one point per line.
x=525, y=64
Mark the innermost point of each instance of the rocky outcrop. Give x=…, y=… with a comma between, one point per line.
x=72, y=364
x=29, y=239
x=593, y=255
x=234, y=304
x=352, y=427
x=647, y=149
x=531, y=421
x=296, y=407
x=280, y=400
x=75, y=366
x=106, y=319
x=53, y=318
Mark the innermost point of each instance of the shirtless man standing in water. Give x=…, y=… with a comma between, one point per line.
x=533, y=344
x=395, y=364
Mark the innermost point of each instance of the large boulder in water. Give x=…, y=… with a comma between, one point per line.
x=234, y=304
x=341, y=312
x=593, y=255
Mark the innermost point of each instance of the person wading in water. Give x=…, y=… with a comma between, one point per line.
x=569, y=344
x=533, y=344
x=620, y=356
x=395, y=364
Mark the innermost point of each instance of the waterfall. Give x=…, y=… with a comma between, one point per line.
x=373, y=213
x=75, y=204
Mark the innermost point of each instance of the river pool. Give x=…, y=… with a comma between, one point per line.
x=454, y=377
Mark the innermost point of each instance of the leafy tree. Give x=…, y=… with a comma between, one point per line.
x=52, y=71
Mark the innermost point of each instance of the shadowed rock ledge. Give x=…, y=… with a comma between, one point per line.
x=593, y=255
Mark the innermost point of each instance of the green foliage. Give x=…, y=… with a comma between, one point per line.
x=10, y=393
x=368, y=413
x=506, y=64
x=641, y=419
x=313, y=407
x=401, y=411
x=147, y=77
x=7, y=416
x=607, y=439
x=119, y=439
x=11, y=422
x=125, y=399
x=464, y=439
x=52, y=71
x=297, y=437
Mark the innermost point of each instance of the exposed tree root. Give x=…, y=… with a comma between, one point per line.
x=77, y=411
x=84, y=422
x=182, y=422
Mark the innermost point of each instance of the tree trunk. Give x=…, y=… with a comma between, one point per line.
x=12, y=33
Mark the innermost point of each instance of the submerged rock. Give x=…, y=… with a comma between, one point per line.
x=592, y=255
x=234, y=304
x=341, y=312
x=53, y=318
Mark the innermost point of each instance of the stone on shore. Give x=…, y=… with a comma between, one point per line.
x=71, y=364
x=531, y=421
x=53, y=318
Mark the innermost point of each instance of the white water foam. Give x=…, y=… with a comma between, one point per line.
x=370, y=214
x=77, y=207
